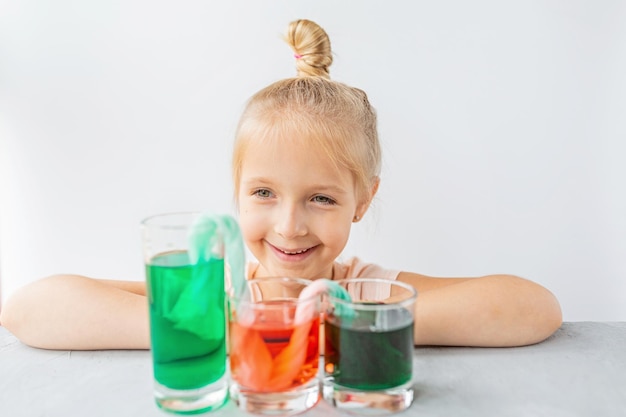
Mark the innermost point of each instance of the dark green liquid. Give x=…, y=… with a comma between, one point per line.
x=369, y=360
x=187, y=322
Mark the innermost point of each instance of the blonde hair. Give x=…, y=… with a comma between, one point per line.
x=337, y=118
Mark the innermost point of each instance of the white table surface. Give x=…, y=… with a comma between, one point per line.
x=579, y=371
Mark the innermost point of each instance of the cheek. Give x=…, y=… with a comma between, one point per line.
x=338, y=234
x=250, y=224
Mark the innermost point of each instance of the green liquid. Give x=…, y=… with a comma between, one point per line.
x=187, y=322
x=368, y=360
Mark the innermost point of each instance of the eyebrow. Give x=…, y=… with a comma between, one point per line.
x=317, y=187
x=333, y=189
x=256, y=181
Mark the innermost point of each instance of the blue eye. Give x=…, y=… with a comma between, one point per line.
x=322, y=199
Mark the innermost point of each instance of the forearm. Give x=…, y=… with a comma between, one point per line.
x=489, y=311
x=74, y=312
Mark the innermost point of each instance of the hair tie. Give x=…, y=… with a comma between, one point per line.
x=297, y=56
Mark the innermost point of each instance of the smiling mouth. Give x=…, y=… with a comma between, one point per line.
x=293, y=252
x=298, y=252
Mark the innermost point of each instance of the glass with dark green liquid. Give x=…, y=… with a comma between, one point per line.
x=184, y=260
x=368, y=359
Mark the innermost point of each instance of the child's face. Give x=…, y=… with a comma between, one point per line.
x=295, y=209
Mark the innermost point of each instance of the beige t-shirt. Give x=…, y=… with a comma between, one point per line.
x=355, y=268
x=351, y=268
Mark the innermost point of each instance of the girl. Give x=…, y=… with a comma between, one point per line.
x=306, y=166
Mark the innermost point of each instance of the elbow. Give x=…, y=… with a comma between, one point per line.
x=19, y=314
x=531, y=315
x=553, y=316
x=10, y=318
x=544, y=319
x=5, y=318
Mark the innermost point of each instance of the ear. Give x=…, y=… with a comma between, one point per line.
x=364, y=205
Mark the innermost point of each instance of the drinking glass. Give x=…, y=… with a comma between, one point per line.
x=274, y=347
x=184, y=261
x=368, y=358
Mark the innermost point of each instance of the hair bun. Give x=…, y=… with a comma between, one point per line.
x=311, y=47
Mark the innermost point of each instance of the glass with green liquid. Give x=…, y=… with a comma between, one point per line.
x=184, y=260
x=368, y=340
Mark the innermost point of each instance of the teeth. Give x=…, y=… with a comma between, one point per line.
x=295, y=253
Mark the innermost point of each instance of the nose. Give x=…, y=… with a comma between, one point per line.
x=291, y=221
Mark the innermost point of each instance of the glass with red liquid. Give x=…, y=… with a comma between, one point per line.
x=274, y=347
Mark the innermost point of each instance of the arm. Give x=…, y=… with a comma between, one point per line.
x=75, y=312
x=495, y=310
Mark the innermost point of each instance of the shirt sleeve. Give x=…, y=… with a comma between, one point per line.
x=355, y=268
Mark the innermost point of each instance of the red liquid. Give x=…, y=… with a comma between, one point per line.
x=272, y=356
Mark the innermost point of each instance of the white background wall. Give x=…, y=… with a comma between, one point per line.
x=503, y=126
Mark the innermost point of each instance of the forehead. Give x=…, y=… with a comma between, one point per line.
x=292, y=159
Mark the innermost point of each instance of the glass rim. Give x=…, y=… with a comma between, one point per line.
x=151, y=221
x=411, y=298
